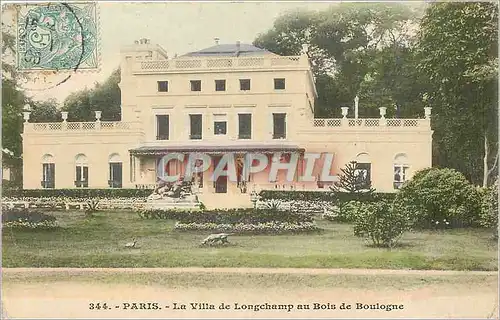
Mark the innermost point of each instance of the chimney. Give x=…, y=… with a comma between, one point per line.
x=216, y=40
x=238, y=48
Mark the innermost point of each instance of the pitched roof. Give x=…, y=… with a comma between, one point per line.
x=228, y=50
x=216, y=149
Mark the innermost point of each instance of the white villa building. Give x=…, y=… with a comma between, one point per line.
x=227, y=98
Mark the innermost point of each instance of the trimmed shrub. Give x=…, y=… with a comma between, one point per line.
x=25, y=219
x=236, y=220
x=252, y=228
x=230, y=216
x=327, y=196
x=437, y=195
x=382, y=222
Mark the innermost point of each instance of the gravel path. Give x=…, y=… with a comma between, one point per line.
x=255, y=270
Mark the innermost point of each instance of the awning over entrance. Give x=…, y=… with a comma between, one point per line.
x=218, y=149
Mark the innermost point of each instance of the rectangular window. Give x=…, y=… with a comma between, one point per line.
x=279, y=84
x=82, y=176
x=244, y=126
x=220, y=85
x=196, y=126
x=162, y=127
x=162, y=86
x=279, y=125
x=115, y=175
x=195, y=85
x=244, y=84
x=400, y=175
x=363, y=175
x=220, y=127
x=49, y=175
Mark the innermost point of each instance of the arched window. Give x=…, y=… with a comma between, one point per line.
x=48, y=171
x=81, y=171
x=363, y=170
x=401, y=170
x=115, y=171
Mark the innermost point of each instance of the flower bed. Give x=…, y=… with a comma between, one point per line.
x=235, y=220
x=246, y=228
x=82, y=193
x=25, y=219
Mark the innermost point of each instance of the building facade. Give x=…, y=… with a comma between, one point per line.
x=225, y=99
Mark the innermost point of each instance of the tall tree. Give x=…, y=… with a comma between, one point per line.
x=458, y=51
x=344, y=45
x=45, y=111
x=103, y=97
x=13, y=100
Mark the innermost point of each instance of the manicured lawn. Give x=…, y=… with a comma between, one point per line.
x=99, y=242
x=251, y=280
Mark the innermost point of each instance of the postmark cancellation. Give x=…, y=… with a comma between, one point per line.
x=57, y=37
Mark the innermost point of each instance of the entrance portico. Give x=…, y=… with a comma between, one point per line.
x=147, y=166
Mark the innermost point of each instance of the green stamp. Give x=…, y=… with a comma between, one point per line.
x=57, y=36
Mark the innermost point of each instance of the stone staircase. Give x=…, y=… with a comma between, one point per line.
x=225, y=200
x=188, y=203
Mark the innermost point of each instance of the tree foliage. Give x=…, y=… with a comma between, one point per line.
x=353, y=48
x=458, y=52
x=105, y=97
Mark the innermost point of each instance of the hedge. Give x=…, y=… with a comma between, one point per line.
x=76, y=193
x=230, y=216
x=323, y=196
x=243, y=228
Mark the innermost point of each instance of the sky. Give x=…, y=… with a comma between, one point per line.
x=179, y=27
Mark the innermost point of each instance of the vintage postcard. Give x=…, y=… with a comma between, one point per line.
x=249, y=160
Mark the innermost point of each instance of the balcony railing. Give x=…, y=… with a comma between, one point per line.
x=47, y=184
x=370, y=123
x=197, y=136
x=180, y=64
x=79, y=126
x=81, y=184
x=244, y=136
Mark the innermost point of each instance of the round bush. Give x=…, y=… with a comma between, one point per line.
x=381, y=222
x=436, y=195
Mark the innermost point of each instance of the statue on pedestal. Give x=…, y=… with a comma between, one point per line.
x=177, y=190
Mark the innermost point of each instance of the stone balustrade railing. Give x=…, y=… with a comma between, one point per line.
x=180, y=64
x=345, y=122
x=370, y=123
x=80, y=126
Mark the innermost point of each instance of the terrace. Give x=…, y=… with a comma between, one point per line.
x=370, y=123
x=231, y=63
x=90, y=126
